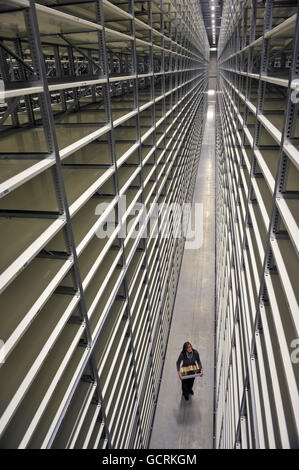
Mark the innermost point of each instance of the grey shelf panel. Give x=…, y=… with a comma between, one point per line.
x=20, y=252
x=113, y=14
x=115, y=413
x=293, y=304
x=96, y=435
x=38, y=194
x=110, y=389
x=73, y=420
x=50, y=21
x=257, y=236
x=125, y=422
x=26, y=360
x=108, y=333
x=120, y=406
x=269, y=173
x=85, y=224
x=33, y=140
x=34, y=286
x=108, y=372
x=274, y=130
x=46, y=426
x=27, y=416
x=84, y=438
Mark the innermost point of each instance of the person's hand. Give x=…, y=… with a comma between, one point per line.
x=201, y=372
x=179, y=375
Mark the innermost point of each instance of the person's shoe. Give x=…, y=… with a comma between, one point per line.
x=192, y=393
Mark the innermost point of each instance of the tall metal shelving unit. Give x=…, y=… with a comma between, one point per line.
x=102, y=99
x=257, y=401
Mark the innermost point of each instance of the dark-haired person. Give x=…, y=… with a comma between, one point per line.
x=188, y=357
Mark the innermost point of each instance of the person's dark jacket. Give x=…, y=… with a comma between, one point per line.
x=188, y=362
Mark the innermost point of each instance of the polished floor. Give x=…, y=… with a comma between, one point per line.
x=181, y=424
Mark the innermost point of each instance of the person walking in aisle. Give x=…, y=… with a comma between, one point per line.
x=188, y=357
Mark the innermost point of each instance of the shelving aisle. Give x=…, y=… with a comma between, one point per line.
x=257, y=403
x=181, y=424
x=102, y=100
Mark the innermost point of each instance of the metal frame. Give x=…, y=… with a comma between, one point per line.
x=257, y=310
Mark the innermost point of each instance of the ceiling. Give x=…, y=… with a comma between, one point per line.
x=207, y=11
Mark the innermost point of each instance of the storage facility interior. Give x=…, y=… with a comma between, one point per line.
x=257, y=401
x=103, y=107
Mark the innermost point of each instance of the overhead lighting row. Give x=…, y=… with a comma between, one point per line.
x=213, y=21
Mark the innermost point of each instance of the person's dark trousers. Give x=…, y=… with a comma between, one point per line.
x=187, y=385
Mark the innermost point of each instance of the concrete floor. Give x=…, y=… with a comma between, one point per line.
x=181, y=424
